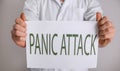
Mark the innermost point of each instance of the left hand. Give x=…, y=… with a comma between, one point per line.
x=106, y=30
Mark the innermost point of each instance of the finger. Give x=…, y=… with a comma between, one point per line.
x=105, y=26
x=17, y=38
x=98, y=16
x=108, y=36
x=20, y=22
x=19, y=33
x=103, y=43
x=19, y=28
x=22, y=16
x=107, y=31
x=103, y=20
x=22, y=38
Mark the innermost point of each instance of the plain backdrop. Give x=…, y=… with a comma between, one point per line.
x=13, y=58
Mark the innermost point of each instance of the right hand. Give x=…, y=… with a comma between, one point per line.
x=19, y=31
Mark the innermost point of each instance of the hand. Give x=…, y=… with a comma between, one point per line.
x=19, y=31
x=106, y=30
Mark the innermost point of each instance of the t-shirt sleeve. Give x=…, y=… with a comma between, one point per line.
x=92, y=8
x=31, y=10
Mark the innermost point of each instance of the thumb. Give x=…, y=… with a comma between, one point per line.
x=98, y=16
x=22, y=16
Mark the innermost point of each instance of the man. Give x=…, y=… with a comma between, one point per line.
x=63, y=10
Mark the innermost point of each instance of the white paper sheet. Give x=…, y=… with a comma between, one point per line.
x=66, y=44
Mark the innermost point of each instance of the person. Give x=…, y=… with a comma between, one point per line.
x=62, y=10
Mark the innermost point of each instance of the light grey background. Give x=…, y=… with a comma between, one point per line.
x=12, y=57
